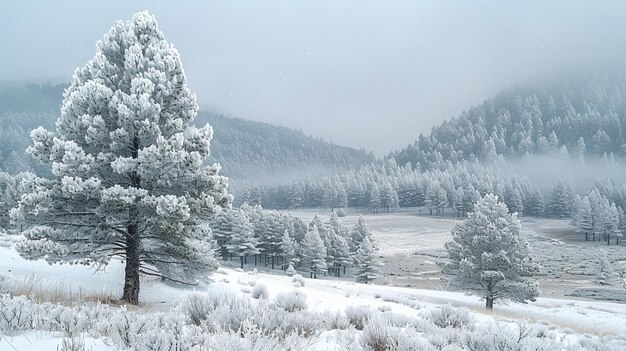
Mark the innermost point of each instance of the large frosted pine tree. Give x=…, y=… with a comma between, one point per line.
x=488, y=257
x=129, y=178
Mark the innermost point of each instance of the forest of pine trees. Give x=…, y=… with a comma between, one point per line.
x=253, y=236
x=573, y=118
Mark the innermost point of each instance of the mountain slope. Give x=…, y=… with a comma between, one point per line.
x=248, y=151
x=584, y=116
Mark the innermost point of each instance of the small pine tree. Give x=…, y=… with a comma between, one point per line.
x=314, y=252
x=487, y=255
x=367, y=262
x=288, y=250
x=358, y=233
x=605, y=270
x=290, y=271
x=375, y=199
x=242, y=241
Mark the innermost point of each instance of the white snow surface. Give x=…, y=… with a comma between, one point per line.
x=592, y=317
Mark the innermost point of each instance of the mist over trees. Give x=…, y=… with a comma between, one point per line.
x=575, y=117
x=249, y=152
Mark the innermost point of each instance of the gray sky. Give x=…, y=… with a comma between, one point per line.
x=371, y=74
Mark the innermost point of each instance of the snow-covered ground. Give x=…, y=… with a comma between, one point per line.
x=411, y=242
x=578, y=316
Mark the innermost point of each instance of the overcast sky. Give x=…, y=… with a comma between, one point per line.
x=371, y=74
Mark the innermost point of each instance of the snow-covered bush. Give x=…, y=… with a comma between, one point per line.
x=336, y=320
x=358, y=315
x=291, y=301
x=448, y=316
x=72, y=343
x=290, y=271
x=280, y=323
x=16, y=314
x=378, y=335
x=260, y=291
x=384, y=308
x=297, y=280
x=218, y=308
x=72, y=321
x=340, y=212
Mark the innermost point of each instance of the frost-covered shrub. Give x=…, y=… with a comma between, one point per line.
x=16, y=314
x=218, y=308
x=281, y=323
x=336, y=320
x=168, y=331
x=72, y=343
x=124, y=327
x=260, y=291
x=248, y=282
x=358, y=315
x=291, y=301
x=297, y=279
x=290, y=271
x=446, y=339
x=448, y=316
x=378, y=335
x=71, y=321
x=384, y=308
x=341, y=212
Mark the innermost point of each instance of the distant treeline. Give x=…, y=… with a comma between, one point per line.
x=576, y=117
x=249, y=152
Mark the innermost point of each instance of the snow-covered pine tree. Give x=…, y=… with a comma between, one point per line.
x=367, y=262
x=314, y=252
x=129, y=175
x=242, y=242
x=288, y=248
x=605, y=271
x=222, y=229
x=339, y=251
x=375, y=199
x=357, y=234
x=488, y=257
x=561, y=198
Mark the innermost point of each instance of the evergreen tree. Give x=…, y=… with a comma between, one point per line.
x=222, y=228
x=560, y=202
x=340, y=252
x=314, y=252
x=288, y=250
x=359, y=232
x=129, y=178
x=488, y=257
x=367, y=263
x=605, y=271
x=242, y=241
x=375, y=199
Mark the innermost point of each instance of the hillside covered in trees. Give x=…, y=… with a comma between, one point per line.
x=248, y=151
x=579, y=117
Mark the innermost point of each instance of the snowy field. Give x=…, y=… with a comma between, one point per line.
x=409, y=244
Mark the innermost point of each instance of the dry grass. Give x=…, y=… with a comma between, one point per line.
x=41, y=290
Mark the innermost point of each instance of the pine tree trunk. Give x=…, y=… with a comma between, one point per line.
x=131, y=276
x=489, y=301
x=241, y=262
